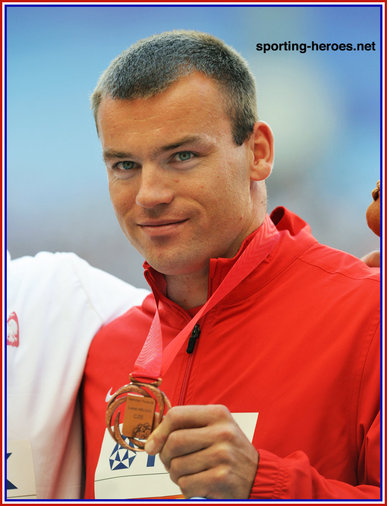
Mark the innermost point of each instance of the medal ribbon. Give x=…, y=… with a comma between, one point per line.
x=153, y=361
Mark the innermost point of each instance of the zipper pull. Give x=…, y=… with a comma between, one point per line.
x=192, y=340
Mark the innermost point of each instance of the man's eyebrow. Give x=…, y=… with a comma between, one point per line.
x=181, y=142
x=108, y=154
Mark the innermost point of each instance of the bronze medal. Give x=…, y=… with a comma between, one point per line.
x=138, y=416
x=144, y=407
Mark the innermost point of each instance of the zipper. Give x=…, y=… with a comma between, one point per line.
x=192, y=340
x=190, y=351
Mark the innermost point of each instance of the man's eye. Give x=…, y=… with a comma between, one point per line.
x=126, y=165
x=183, y=156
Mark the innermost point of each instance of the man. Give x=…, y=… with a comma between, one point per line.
x=270, y=341
x=55, y=305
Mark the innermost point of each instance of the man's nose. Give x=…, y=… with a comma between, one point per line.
x=154, y=187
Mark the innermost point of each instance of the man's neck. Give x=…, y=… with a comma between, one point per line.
x=191, y=290
x=188, y=291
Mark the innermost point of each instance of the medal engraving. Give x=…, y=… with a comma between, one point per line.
x=135, y=400
x=138, y=416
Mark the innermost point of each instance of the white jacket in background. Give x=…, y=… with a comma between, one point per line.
x=56, y=302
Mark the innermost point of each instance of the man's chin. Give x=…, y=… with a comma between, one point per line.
x=178, y=265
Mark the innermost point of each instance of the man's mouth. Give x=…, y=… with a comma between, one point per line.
x=161, y=223
x=161, y=227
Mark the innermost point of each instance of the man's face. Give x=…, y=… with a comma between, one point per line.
x=179, y=184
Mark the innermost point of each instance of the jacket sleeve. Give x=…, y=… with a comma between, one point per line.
x=293, y=477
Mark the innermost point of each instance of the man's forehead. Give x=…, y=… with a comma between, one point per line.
x=190, y=108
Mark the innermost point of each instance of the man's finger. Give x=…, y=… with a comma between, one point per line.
x=183, y=417
x=179, y=417
x=184, y=442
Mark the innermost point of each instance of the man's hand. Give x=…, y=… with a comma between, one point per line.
x=372, y=259
x=205, y=452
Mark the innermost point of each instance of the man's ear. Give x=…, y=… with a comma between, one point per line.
x=262, y=145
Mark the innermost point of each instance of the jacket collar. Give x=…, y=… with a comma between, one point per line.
x=289, y=226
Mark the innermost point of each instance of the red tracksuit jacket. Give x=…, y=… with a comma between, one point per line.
x=297, y=342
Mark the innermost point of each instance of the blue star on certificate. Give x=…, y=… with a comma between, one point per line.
x=10, y=486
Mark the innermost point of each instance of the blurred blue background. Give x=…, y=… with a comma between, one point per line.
x=324, y=109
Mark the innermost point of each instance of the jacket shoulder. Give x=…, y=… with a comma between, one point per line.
x=337, y=262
